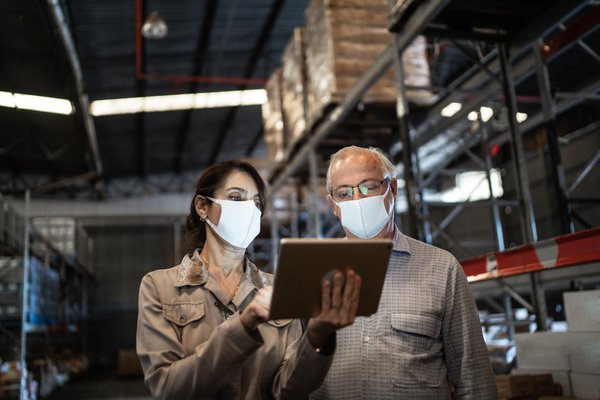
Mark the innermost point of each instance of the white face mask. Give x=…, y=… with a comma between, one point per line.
x=239, y=223
x=366, y=217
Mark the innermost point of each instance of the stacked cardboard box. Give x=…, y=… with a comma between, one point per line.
x=543, y=350
x=343, y=37
x=273, y=119
x=559, y=377
x=582, y=310
x=573, y=357
x=293, y=88
x=129, y=364
x=583, y=319
x=524, y=386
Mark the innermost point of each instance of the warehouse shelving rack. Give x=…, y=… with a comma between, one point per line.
x=29, y=332
x=494, y=76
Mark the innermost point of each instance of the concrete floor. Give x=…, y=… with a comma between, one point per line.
x=102, y=385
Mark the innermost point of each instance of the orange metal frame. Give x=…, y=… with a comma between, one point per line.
x=561, y=251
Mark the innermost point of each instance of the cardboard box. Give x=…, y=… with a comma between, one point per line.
x=582, y=310
x=512, y=385
x=585, y=386
x=573, y=351
x=584, y=352
x=273, y=120
x=129, y=364
x=294, y=87
x=9, y=385
x=342, y=40
x=543, y=350
x=534, y=385
x=560, y=377
x=556, y=398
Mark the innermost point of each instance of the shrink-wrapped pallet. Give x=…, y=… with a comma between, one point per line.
x=343, y=38
x=293, y=88
x=273, y=119
x=416, y=73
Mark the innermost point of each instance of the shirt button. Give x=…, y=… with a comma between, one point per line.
x=366, y=339
x=182, y=319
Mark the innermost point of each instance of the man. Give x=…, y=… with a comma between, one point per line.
x=426, y=334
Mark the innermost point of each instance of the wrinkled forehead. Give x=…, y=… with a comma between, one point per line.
x=352, y=168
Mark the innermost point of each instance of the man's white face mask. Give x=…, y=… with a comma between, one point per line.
x=239, y=223
x=365, y=217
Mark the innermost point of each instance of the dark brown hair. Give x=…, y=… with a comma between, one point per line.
x=208, y=183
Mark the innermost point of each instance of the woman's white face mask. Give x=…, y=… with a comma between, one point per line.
x=365, y=217
x=239, y=223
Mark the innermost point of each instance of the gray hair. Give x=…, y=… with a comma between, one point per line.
x=387, y=167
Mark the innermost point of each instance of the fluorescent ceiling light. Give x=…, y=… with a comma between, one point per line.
x=521, y=117
x=36, y=103
x=470, y=186
x=486, y=113
x=451, y=109
x=188, y=101
x=7, y=100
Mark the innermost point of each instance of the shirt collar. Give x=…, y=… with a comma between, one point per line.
x=400, y=242
x=193, y=272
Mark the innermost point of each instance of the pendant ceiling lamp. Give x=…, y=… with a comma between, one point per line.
x=154, y=27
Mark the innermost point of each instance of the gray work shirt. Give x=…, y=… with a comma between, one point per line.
x=425, y=334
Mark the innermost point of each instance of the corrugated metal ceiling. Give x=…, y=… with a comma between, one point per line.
x=210, y=38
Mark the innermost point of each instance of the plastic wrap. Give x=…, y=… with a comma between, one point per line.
x=273, y=119
x=416, y=72
x=293, y=88
x=343, y=37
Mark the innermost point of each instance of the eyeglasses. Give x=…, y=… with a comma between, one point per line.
x=368, y=187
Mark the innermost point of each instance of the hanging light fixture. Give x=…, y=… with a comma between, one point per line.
x=154, y=27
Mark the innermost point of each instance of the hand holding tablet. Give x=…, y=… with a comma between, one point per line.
x=304, y=264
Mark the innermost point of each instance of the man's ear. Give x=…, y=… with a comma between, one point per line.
x=334, y=207
x=394, y=186
x=201, y=205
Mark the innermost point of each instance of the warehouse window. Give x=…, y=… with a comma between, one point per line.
x=471, y=186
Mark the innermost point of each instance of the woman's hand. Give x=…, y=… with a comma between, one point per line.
x=339, y=303
x=257, y=311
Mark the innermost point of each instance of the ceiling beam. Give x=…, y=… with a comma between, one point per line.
x=255, y=139
x=263, y=38
x=66, y=36
x=204, y=35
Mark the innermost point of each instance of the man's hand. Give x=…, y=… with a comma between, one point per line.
x=339, y=303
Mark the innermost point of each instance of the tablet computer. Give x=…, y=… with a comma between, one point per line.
x=304, y=262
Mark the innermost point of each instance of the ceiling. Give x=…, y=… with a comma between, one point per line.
x=211, y=39
x=208, y=40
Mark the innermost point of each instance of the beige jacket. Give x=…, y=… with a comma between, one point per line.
x=190, y=350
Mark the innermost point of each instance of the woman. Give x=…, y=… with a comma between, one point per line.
x=203, y=328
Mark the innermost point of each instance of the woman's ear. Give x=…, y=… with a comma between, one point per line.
x=201, y=205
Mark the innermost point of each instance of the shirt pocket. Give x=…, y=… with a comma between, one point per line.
x=182, y=314
x=419, y=331
x=416, y=350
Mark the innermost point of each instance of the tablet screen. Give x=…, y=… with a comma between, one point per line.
x=304, y=262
